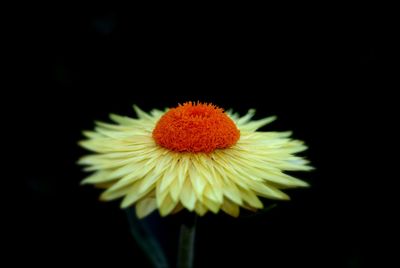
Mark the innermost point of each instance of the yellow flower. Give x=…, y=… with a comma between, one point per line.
x=194, y=156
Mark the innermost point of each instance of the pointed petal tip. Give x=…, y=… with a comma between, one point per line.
x=305, y=184
x=144, y=209
x=136, y=109
x=215, y=211
x=140, y=216
x=98, y=123
x=202, y=213
x=103, y=199
x=236, y=215
x=162, y=214
x=81, y=143
x=190, y=208
x=188, y=205
x=81, y=161
x=87, y=133
x=271, y=119
x=124, y=205
x=112, y=115
x=281, y=197
x=310, y=168
x=285, y=197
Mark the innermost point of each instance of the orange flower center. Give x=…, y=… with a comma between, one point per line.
x=195, y=128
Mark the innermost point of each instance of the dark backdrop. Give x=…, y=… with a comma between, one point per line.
x=313, y=71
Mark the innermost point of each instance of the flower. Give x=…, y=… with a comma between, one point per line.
x=194, y=156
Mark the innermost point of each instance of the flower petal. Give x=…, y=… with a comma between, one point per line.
x=145, y=206
x=230, y=208
x=187, y=195
x=167, y=206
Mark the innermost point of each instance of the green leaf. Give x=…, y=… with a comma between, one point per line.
x=146, y=239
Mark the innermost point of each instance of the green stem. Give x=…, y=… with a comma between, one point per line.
x=186, y=243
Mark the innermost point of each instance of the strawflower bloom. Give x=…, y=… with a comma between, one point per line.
x=195, y=156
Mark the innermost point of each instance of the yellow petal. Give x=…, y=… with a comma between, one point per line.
x=110, y=194
x=123, y=120
x=214, y=183
x=141, y=114
x=167, y=206
x=250, y=198
x=160, y=195
x=211, y=205
x=105, y=185
x=270, y=192
x=148, y=182
x=197, y=180
x=230, y=190
x=182, y=170
x=187, y=195
x=256, y=124
x=246, y=118
x=98, y=177
x=133, y=195
x=145, y=206
x=230, y=208
x=210, y=194
x=200, y=209
x=175, y=190
x=169, y=176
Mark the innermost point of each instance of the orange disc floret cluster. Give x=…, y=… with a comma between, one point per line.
x=195, y=127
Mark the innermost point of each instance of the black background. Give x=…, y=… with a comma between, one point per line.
x=316, y=72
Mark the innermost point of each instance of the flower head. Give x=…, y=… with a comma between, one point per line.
x=194, y=156
x=195, y=128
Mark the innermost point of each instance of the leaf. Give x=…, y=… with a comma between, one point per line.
x=146, y=239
